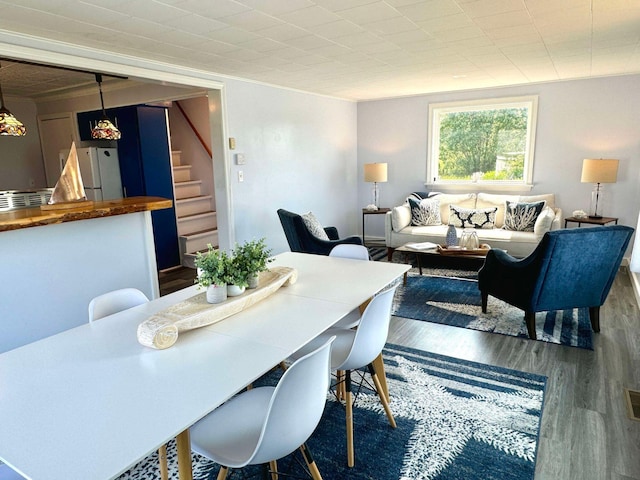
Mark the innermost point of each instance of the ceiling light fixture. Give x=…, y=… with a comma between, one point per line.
x=104, y=129
x=9, y=124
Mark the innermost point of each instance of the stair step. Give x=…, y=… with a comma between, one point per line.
x=197, y=241
x=197, y=223
x=193, y=205
x=189, y=189
x=182, y=173
x=176, y=159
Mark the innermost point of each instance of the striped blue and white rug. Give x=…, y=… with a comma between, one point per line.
x=455, y=420
x=456, y=302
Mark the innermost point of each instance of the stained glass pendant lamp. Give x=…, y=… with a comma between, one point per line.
x=104, y=129
x=9, y=125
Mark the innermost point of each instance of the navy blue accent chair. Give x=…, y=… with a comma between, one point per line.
x=301, y=240
x=572, y=268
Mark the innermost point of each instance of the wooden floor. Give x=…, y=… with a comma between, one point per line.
x=586, y=433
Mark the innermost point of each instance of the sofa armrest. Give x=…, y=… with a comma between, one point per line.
x=388, y=228
x=557, y=220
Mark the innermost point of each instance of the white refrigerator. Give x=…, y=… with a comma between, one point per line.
x=100, y=172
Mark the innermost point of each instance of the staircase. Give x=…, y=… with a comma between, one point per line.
x=197, y=223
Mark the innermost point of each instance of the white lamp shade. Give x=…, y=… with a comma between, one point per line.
x=375, y=172
x=599, y=170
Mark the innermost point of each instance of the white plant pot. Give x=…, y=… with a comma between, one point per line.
x=216, y=293
x=253, y=280
x=234, y=290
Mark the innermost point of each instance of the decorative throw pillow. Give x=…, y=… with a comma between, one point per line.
x=522, y=217
x=314, y=226
x=472, y=218
x=425, y=212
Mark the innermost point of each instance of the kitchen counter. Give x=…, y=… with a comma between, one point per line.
x=35, y=217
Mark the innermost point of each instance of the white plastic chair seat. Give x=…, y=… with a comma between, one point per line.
x=233, y=429
x=350, y=320
x=114, y=302
x=264, y=424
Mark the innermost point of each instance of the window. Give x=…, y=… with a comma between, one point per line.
x=488, y=142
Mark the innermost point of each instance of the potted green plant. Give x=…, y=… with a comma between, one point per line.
x=212, y=267
x=236, y=275
x=254, y=256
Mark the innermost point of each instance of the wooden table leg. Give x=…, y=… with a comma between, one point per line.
x=378, y=366
x=183, y=444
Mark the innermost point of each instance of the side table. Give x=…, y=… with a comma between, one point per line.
x=590, y=221
x=380, y=211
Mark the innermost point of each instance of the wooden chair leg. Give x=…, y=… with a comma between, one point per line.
x=162, y=459
x=378, y=366
x=485, y=298
x=183, y=445
x=349, y=418
x=530, y=319
x=594, y=316
x=311, y=464
x=273, y=466
x=383, y=398
x=222, y=474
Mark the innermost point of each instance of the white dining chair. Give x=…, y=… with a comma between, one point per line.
x=114, y=302
x=356, y=252
x=264, y=424
x=7, y=473
x=357, y=348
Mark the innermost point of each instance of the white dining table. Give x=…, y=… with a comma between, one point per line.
x=91, y=402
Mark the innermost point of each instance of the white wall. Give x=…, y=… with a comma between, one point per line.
x=300, y=153
x=597, y=118
x=21, y=164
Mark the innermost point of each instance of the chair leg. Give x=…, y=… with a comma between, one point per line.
x=273, y=466
x=530, y=319
x=594, y=316
x=222, y=474
x=162, y=459
x=340, y=391
x=311, y=463
x=349, y=417
x=383, y=398
x=485, y=297
x=378, y=366
x=390, y=254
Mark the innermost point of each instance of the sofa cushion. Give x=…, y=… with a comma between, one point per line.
x=471, y=217
x=522, y=216
x=400, y=217
x=425, y=212
x=314, y=226
x=549, y=198
x=544, y=221
x=488, y=200
x=464, y=200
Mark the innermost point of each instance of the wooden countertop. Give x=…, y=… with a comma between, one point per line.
x=35, y=217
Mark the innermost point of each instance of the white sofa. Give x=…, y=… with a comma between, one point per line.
x=399, y=231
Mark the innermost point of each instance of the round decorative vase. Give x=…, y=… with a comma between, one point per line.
x=253, y=280
x=234, y=290
x=451, y=239
x=216, y=293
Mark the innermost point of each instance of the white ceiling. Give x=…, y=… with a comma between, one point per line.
x=355, y=49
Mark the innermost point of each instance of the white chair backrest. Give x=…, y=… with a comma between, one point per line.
x=345, y=250
x=296, y=405
x=114, y=302
x=372, y=332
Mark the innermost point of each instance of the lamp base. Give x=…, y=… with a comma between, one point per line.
x=595, y=217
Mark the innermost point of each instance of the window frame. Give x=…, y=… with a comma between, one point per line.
x=433, y=141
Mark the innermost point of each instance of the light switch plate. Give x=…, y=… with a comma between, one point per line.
x=232, y=143
x=240, y=159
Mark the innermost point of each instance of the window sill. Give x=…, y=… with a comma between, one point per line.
x=480, y=187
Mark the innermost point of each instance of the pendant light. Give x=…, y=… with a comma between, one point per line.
x=104, y=129
x=9, y=125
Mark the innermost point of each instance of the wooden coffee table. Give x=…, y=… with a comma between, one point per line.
x=443, y=256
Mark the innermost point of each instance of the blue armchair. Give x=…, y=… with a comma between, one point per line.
x=572, y=268
x=302, y=240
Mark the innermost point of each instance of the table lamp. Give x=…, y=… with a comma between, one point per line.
x=376, y=173
x=598, y=171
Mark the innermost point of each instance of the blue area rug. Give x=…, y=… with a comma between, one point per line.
x=456, y=302
x=455, y=420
